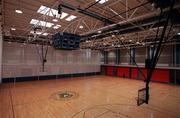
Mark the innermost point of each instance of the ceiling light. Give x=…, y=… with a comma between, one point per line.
x=178, y=33
x=130, y=40
x=113, y=35
x=122, y=38
x=55, y=20
x=18, y=11
x=99, y=31
x=45, y=34
x=101, y=1
x=81, y=27
x=70, y=18
x=137, y=42
x=13, y=29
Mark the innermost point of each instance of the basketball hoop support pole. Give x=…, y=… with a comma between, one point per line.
x=155, y=58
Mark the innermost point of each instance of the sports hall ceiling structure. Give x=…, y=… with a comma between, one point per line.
x=102, y=24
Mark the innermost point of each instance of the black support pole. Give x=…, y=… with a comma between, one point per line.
x=155, y=57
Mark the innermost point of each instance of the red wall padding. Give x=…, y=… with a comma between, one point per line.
x=144, y=71
x=161, y=75
x=134, y=73
x=123, y=72
x=109, y=71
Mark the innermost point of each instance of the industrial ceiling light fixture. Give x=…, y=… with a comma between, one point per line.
x=18, y=11
x=99, y=31
x=113, y=35
x=81, y=26
x=45, y=34
x=178, y=33
x=13, y=29
x=137, y=42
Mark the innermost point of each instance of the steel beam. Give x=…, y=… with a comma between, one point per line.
x=88, y=13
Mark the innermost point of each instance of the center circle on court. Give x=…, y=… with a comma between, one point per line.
x=64, y=95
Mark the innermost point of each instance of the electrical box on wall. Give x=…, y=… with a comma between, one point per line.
x=66, y=41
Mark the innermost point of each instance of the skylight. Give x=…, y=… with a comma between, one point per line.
x=41, y=23
x=70, y=18
x=51, y=12
x=101, y=1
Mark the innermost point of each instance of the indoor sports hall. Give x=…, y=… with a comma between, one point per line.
x=89, y=58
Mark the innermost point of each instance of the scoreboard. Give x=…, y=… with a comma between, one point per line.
x=66, y=41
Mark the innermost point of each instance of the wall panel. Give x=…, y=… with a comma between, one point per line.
x=23, y=60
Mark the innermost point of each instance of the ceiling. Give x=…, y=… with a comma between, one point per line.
x=21, y=22
x=117, y=11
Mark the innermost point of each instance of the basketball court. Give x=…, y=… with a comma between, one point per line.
x=90, y=59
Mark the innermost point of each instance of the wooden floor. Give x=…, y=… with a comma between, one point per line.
x=97, y=97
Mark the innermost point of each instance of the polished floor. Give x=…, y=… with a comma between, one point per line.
x=95, y=97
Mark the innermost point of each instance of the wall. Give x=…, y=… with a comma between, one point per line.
x=166, y=57
x=23, y=60
x=111, y=57
x=140, y=54
x=124, y=57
